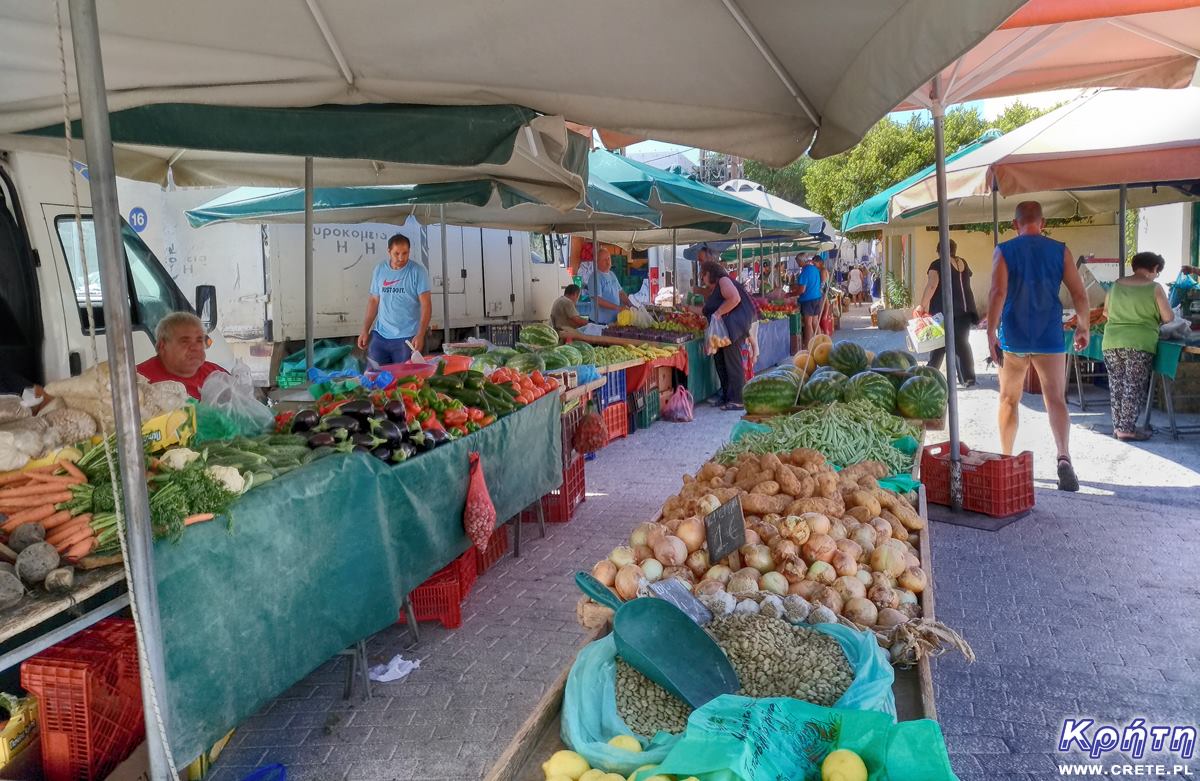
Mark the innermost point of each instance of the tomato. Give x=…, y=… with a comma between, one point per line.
x=523, y=399
x=537, y=378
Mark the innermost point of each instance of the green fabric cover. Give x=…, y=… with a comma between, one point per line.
x=702, y=380
x=320, y=559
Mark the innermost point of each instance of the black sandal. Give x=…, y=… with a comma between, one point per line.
x=1067, y=481
x=733, y=407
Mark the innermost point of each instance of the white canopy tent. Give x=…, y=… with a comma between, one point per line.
x=753, y=192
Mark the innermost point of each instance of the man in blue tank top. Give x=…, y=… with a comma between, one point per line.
x=1025, y=327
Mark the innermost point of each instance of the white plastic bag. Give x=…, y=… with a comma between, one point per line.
x=926, y=334
x=233, y=395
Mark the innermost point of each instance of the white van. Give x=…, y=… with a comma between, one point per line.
x=43, y=313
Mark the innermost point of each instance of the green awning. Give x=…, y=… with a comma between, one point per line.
x=353, y=145
x=680, y=200
x=873, y=213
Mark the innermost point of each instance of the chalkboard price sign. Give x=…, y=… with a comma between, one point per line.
x=677, y=593
x=726, y=529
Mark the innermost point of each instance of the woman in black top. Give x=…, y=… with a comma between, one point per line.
x=966, y=314
x=730, y=300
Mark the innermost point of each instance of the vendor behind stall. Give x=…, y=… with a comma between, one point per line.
x=181, y=344
x=564, y=315
x=609, y=298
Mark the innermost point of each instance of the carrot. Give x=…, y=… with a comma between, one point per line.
x=66, y=530
x=198, y=518
x=59, y=524
x=63, y=480
x=80, y=549
x=84, y=533
x=34, y=488
x=14, y=477
x=72, y=470
x=34, y=501
x=58, y=519
x=27, y=516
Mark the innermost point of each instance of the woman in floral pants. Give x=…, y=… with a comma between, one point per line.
x=1135, y=307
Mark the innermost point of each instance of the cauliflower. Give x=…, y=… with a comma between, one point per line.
x=229, y=477
x=177, y=458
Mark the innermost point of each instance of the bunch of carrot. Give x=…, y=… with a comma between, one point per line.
x=35, y=496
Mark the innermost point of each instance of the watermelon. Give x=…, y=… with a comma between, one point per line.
x=895, y=359
x=572, y=356
x=770, y=394
x=525, y=348
x=488, y=361
x=503, y=353
x=587, y=352
x=929, y=371
x=527, y=363
x=824, y=389
x=896, y=376
x=848, y=358
x=538, y=335
x=553, y=360
x=872, y=387
x=921, y=397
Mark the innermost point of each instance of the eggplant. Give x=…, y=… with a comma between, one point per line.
x=346, y=423
x=424, y=442
x=395, y=412
x=382, y=452
x=366, y=440
x=388, y=430
x=361, y=449
x=439, y=436
x=360, y=409
x=403, y=452
x=321, y=439
x=305, y=420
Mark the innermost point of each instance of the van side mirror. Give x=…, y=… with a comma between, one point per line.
x=206, y=306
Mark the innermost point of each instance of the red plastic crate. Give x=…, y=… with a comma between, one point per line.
x=559, y=505
x=497, y=548
x=999, y=487
x=466, y=568
x=89, y=701
x=616, y=417
x=437, y=599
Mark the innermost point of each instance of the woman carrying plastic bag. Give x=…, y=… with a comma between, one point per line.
x=730, y=311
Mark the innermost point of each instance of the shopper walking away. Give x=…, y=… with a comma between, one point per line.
x=1136, y=306
x=1025, y=328
x=966, y=314
x=810, y=298
x=856, y=284
x=398, y=307
x=729, y=300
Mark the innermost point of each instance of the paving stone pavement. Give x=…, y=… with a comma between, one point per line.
x=1084, y=608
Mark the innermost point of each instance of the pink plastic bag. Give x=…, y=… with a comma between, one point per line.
x=680, y=408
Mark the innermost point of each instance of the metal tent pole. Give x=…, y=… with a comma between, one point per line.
x=445, y=281
x=595, y=277
x=118, y=336
x=995, y=216
x=741, y=260
x=674, y=275
x=310, y=301
x=939, y=144
x=1124, y=204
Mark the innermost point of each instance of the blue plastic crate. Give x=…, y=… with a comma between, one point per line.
x=613, y=390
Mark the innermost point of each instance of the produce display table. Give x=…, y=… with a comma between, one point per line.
x=635, y=377
x=322, y=558
x=774, y=344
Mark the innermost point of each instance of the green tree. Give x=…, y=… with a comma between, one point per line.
x=786, y=183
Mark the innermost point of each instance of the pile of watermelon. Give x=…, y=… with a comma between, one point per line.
x=893, y=381
x=537, y=349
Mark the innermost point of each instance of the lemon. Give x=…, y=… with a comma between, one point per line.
x=633, y=775
x=559, y=778
x=843, y=765
x=565, y=763
x=626, y=743
x=592, y=775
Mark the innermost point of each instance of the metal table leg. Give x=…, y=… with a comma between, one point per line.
x=357, y=668
x=410, y=616
x=516, y=522
x=1168, y=386
x=1143, y=421
x=542, y=518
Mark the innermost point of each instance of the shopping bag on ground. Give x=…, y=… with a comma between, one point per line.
x=716, y=335
x=680, y=409
x=479, y=517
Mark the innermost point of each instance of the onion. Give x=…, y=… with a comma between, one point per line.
x=865, y=576
x=792, y=568
x=850, y=547
x=883, y=596
x=880, y=579
x=766, y=532
x=691, y=531
x=900, y=547
x=671, y=551
x=822, y=572
x=734, y=560
x=910, y=610
x=605, y=572
x=652, y=569
x=752, y=537
x=830, y=599
x=672, y=524
x=697, y=562
x=642, y=552
x=883, y=530
x=861, y=611
x=679, y=573
x=913, y=579
x=708, y=588
x=719, y=573
x=758, y=557
x=817, y=523
x=772, y=518
x=906, y=597
x=775, y=583
x=795, y=528
x=629, y=578
x=707, y=504
x=850, y=525
x=890, y=617
x=849, y=587
x=837, y=530
x=783, y=548
x=742, y=584
x=820, y=547
x=912, y=559
x=808, y=589
x=864, y=535
x=885, y=559
x=640, y=534
x=656, y=535
x=844, y=563
x=622, y=556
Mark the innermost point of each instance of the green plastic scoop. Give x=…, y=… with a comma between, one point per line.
x=659, y=640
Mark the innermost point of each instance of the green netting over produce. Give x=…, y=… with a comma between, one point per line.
x=741, y=739
x=320, y=559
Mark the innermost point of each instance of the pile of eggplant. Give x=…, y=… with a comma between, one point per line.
x=359, y=426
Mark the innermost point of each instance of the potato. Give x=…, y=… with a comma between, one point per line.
x=860, y=514
x=898, y=530
x=26, y=535
x=827, y=485
x=11, y=590
x=908, y=518
x=769, y=462
x=865, y=499
x=766, y=488
x=750, y=475
x=761, y=504
x=789, y=483
x=814, y=504
x=710, y=470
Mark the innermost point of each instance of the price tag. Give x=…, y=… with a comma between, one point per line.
x=726, y=529
x=676, y=592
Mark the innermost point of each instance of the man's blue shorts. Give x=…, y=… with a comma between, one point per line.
x=388, y=351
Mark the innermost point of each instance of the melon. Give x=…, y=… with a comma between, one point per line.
x=929, y=371
x=873, y=388
x=848, y=358
x=538, y=335
x=921, y=397
x=820, y=339
x=820, y=352
x=526, y=363
x=770, y=394
x=553, y=359
x=803, y=361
